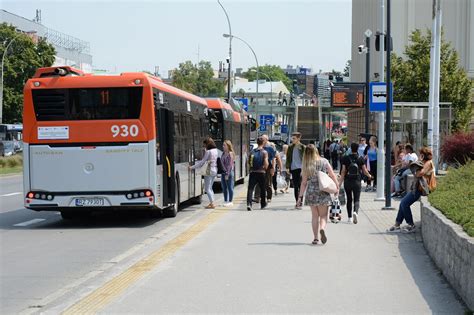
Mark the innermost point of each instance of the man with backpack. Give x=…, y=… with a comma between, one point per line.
x=334, y=148
x=352, y=165
x=258, y=165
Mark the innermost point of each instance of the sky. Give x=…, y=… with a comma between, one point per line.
x=139, y=35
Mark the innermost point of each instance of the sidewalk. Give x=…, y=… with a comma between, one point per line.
x=262, y=262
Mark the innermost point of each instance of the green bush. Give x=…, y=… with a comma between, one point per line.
x=11, y=161
x=454, y=196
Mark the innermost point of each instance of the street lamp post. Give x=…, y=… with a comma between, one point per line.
x=1, y=79
x=256, y=61
x=229, y=89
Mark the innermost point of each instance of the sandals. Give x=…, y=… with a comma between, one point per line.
x=210, y=206
x=315, y=241
x=324, y=239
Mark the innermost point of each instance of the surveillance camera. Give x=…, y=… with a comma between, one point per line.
x=227, y=59
x=360, y=49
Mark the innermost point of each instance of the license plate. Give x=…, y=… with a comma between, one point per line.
x=90, y=202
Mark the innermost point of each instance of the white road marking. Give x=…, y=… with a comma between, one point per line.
x=29, y=222
x=12, y=194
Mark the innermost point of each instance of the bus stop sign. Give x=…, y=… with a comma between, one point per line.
x=378, y=96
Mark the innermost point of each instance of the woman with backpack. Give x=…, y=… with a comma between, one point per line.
x=227, y=178
x=210, y=159
x=317, y=199
x=371, y=159
x=425, y=182
x=351, y=176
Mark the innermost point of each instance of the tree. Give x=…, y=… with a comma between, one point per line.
x=347, y=68
x=198, y=79
x=411, y=77
x=21, y=61
x=273, y=72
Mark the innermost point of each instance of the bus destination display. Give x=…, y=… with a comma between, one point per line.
x=347, y=95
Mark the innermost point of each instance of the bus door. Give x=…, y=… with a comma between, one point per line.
x=165, y=128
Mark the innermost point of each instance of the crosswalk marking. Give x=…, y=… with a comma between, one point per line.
x=12, y=194
x=29, y=222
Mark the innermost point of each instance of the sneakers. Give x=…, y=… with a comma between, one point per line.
x=367, y=188
x=409, y=229
x=228, y=204
x=249, y=207
x=264, y=206
x=298, y=207
x=394, y=228
x=355, y=215
x=349, y=220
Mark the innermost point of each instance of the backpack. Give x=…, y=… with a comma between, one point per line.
x=256, y=159
x=353, y=171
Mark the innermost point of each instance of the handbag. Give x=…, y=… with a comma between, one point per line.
x=423, y=187
x=281, y=182
x=220, y=166
x=326, y=183
x=335, y=207
x=432, y=180
x=208, y=169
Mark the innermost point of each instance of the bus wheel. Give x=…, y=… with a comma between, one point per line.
x=172, y=211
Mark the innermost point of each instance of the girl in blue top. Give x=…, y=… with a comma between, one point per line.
x=371, y=158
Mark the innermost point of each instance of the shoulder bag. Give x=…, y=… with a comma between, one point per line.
x=326, y=183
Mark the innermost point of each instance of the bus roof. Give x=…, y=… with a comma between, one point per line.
x=79, y=79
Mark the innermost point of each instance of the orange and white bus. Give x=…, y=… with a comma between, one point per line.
x=226, y=123
x=122, y=141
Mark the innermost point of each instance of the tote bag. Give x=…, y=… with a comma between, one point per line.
x=326, y=183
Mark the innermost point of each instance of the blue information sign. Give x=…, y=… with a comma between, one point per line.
x=267, y=119
x=378, y=96
x=263, y=128
x=284, y=128
x=245, y=102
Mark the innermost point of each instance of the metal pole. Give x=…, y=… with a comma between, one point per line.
x=388, y=127
x=437, y=86
x=367, y=81
x=381, y=116
x=1, y=80
x=432, y=78
x=229, y=89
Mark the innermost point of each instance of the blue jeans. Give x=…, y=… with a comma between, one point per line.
x=208, y=181
x=404, y=211
x=228, y=187
x=397, y=180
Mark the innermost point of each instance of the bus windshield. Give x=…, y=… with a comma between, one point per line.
x=87, y=103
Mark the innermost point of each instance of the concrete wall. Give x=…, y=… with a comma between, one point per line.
x=451, y=249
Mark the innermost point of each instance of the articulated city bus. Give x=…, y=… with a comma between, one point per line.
x=122, y=141
x=228, y=124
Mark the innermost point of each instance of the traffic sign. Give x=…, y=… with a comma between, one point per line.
x=284, y=128
x=378, y=96
x=267, y=119
x=263, y=128
x=245, y=103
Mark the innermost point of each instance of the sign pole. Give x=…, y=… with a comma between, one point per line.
x=381, y=116
x=388, y=119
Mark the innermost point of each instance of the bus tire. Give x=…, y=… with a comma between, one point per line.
x=172, y=211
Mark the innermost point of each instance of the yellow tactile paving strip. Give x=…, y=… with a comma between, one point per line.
x=99, y=298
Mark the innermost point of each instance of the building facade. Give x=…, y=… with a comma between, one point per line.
x=70, y=51
x=406, y=16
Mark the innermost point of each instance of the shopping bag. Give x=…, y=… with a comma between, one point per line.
x=281, y=182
